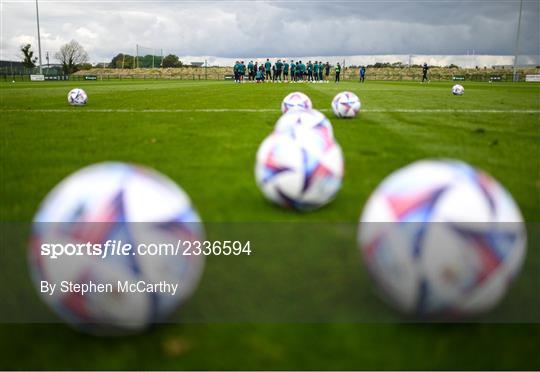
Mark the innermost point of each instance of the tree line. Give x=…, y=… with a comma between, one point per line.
x=73, y=58
x=147, y=61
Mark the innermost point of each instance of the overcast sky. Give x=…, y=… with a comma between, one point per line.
x=248, y=29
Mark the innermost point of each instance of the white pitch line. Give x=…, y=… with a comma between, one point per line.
x=450, y=111
x=83, y=109
x=457, y=111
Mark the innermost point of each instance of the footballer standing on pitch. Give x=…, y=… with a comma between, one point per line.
x=309, y=71
x=327, y=70
x=279, y=69
x=285, y=70
x=242, y=71
x=250, y=67
x=268, y=69
x=300, y=69
x=338, y=71
x=235, y=72
x=425, y=69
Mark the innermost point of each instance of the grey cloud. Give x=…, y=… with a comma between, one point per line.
x=283, y=28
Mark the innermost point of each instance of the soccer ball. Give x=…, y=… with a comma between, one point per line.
x=77, y=97
x=311, y=119
x=441, y=238
x=294, y=101
x=346, y=105
x=122, y=203
x=300, y=169
x=458, y=90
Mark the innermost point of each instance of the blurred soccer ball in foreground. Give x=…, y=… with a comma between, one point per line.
x=441, y=238
x=124, y=203
x=300, y=169
x=346, y=105
x=295, y=100
x=77, y=97
x=458, y=90
x=311, y=119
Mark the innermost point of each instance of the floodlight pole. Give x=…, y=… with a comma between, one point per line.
x=38, y=38
x=514, y=72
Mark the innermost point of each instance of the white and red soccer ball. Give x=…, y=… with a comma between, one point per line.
x=77, y=97
x=310, y=119
x=346, y=105
x=295, y=101
x=458, y=90
x=442, y=238
x=125, y=203
x=301, y=168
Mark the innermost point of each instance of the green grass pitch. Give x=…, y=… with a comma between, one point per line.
x=204, y=135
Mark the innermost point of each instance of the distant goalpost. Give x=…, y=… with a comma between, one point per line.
x=146, y=57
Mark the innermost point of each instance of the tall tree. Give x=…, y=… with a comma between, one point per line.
x=29, y=60
x=71, y=55
x=122, y=61
x=171, y=61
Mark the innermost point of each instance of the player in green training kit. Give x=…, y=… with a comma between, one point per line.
x=259, y=75
x=242, y=71
x=293, y=71
x=251, y=75
x=285, y=71
x=309, y=71
x=316, y=71
x=301, y=68
x=268, y=69
x=235, y=72
x=279, y=69
x=338, y=71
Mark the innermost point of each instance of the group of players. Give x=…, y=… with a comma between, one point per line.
x=297, y=71
x=284, y=71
